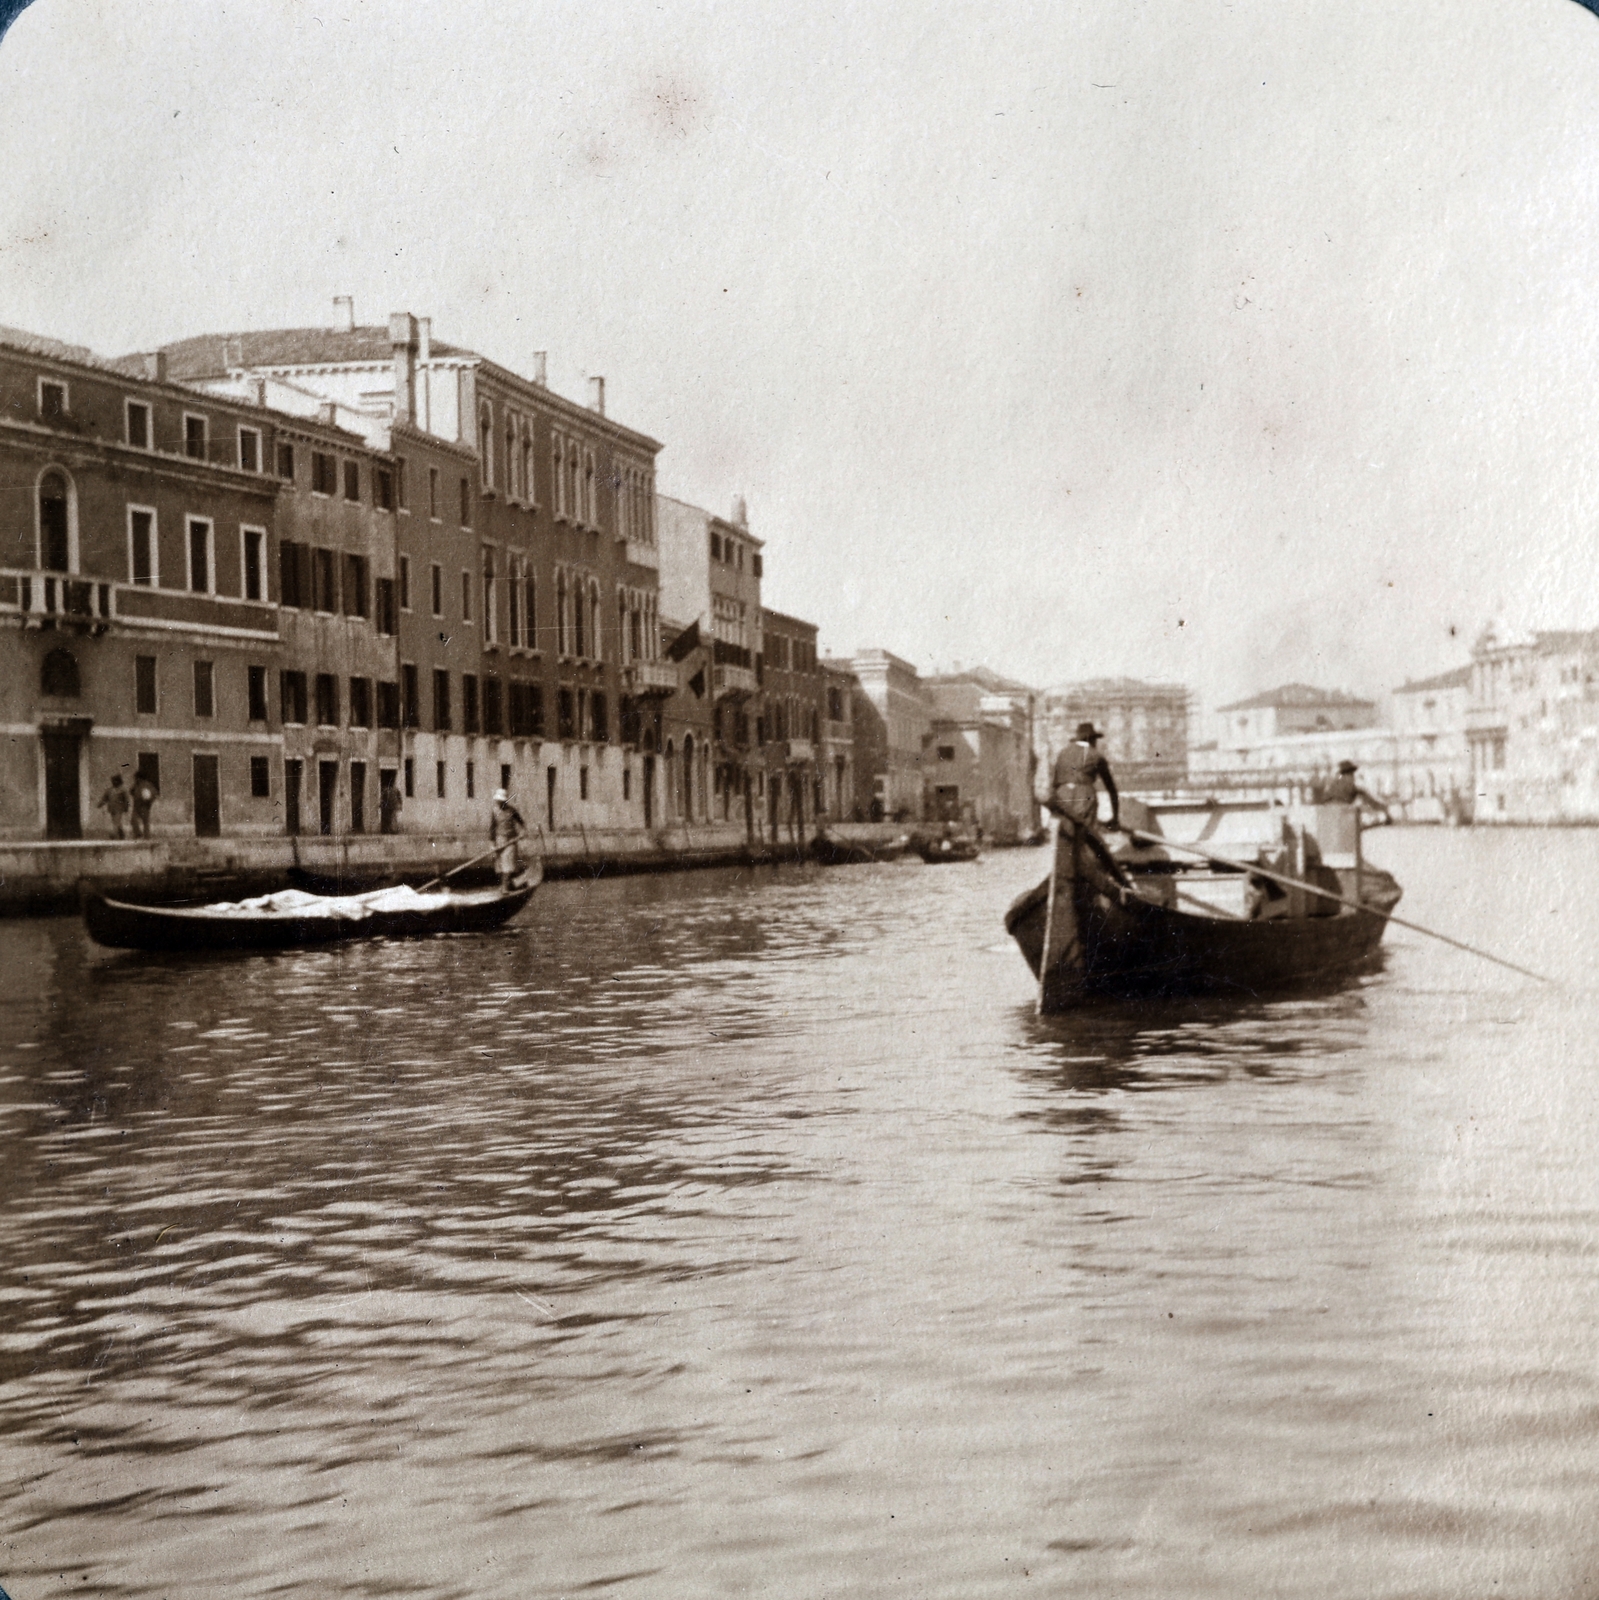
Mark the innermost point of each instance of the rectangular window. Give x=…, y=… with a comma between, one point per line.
x=257, y=682
x=438, y=778
x=410, y=778
x=716, y=547
x=436, y=583
x=471, y=780
x=250, y=449
x=490, y=620
x=327, y=700
x=405, y=583
x=324, y=473
x=383, y=488
x=755, y=564
x=260, y=778
x=360, y=702
x=565, y=718
x=513, y=608
x=199, y=556
x=466, y=502
x=582, y=783
x=194, y=436
x=493, y=708
x=386, y=620
x=291, y=590
x=433, y=493
x=286, y=461
x=352, y=481
x=549, y=795
x=505, y=775
x=466, y=597
x=399, y=482
x=469, y=705
x=356, y=600
x=144, y=685
x=441, y=700
x=388, y=705
x=598, y=711
x=141, y=547
x=204, y=690
x=149, y=766
x=358, y=797
x=627, y=783
x=254, y=563
x=322, y=596
x=409, y=695
x=138, y=425
x=291, y=696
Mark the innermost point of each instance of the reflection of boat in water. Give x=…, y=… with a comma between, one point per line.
x=937, y=849
x=292, y=917
x=1174, y=928
x=829, y=849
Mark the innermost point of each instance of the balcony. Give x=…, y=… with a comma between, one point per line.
x=733, y=683
x=643, y=555
x=796, y=751
x=58, y=599
x=641, y=678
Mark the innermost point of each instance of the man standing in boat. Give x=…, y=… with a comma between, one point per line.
x=1080, y=852
x=505, y=828
x=1344, y=791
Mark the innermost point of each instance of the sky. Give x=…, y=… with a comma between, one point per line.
x=1230, y=342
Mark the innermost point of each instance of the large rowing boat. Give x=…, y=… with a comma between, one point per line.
x=1296, y=901
x=293, y=917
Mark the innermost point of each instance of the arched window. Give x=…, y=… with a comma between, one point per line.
x=671, y=780
x=575, y=496
x=529, y=493
x=485, y=438
x=55, y=522
x=59, y=675
x=563, y=638
x=510, y=455
x=579, y=606
x=688, y=776
x=594, y=620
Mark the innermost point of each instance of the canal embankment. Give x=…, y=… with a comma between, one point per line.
x=38, y=877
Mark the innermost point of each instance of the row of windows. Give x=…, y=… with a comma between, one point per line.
x=730, y=552
x=314, y=578
x=785, y=654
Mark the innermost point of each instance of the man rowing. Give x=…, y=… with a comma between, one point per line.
x=505, y=828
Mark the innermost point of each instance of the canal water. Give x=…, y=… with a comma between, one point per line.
x=744, y=1234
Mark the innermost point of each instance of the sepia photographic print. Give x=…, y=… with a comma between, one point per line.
x=799, y=801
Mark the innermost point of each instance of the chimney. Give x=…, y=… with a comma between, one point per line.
x=597, y=395
x=741, y=514
x=155, y=366
x=344, y=313
x=402, y=337
x=541, y=368
x=328, y=412
x=424, y=351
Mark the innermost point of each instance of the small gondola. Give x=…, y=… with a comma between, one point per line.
x=830, y=850
x=937, y=851
x=292, y=918
x=1136, y=939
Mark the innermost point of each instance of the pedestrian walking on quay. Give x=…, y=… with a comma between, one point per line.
x=505, y=828
x=389, y=803
x=145, y=795
x=114, y=802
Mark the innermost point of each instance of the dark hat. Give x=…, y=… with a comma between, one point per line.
x=116, y=780
x=1347, y=766
x=1086, y=730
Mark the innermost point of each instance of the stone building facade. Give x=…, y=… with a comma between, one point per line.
x=1144, y=727
x=793, y=703
x=979, y=764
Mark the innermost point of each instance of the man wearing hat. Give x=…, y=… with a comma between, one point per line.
x=1079, y=850
x=505, y=828
x=1344, y=791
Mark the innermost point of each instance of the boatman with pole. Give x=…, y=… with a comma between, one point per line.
x=1080, y=852
x=505, y=828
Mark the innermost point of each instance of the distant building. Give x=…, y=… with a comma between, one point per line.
x=1532, y=725
x=1143, y=728
x=836, y=757
x=978, y=763
x=710, y=580
x=892, y=721
x=793, y=700
x=1293, y=708
x=1434, y=760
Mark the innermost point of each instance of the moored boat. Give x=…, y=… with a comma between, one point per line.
x=939, y=849
x=1175, y=928
x=829, y=849
x=292, y=917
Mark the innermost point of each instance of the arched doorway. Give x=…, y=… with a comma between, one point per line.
x=688, y=777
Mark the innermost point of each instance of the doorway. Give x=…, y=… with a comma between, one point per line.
x=63, y=789
x=649, y=791
x=207, y=798
x=358, y=796
x=293, y=772
x=327, y=775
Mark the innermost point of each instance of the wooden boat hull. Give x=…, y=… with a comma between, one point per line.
x=1139, y=948
x=935, y=853
x=828, y=851
x=122, y=926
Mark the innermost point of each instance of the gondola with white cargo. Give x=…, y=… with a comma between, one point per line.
x=292, y=918
x=1213, y=898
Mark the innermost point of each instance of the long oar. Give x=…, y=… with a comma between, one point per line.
x=493, y=850
x=1327, y=894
